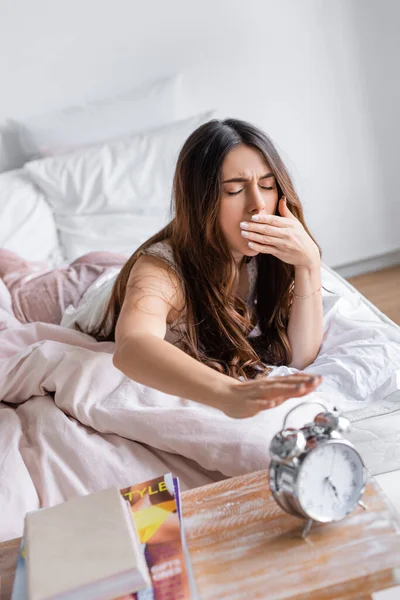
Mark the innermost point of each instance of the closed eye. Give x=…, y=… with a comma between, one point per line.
x=238, y=192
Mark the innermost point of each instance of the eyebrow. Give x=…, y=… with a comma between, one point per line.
x=243, y=179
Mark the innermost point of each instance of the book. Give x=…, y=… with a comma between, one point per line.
x=169, y=564
x=155, y=511
x=87, y=547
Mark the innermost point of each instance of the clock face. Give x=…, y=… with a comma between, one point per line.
x=330, y=482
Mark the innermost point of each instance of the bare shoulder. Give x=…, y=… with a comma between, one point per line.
x=153, y=299
x=153, y=280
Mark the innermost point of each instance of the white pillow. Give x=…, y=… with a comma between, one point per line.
x=114, y=196
x=74, y=127
x=27, y=225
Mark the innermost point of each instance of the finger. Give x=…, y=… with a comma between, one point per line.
x=284, y=209
x=264, y=384
x=279, y=396
x=293, y=378
x=262, y=237
x=278, y=247
x=265, y=249
x=264, y=229
x=280, y=389
x=273, y=390
x=285, y=387
x=301, y=385
x=259, y=404
x=274, y=220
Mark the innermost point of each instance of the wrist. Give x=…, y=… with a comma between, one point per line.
x=311, y=262
x=307, y=280
x=225, y=394
x=310, y=267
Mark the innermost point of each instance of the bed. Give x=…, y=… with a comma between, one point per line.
x=376, y=424
x=70, y=423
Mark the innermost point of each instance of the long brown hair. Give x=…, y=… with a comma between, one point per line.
x=217, y=321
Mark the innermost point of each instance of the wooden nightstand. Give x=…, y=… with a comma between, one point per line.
x=243, y=546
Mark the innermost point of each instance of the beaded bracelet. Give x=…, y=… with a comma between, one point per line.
x=308, y=295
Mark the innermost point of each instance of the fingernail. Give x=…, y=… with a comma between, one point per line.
x=245, y=233
x=250, y=244
x=255, y=218
x=244, y=225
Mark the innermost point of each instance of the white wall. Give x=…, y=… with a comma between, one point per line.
x=301, y=70
x=377, y=46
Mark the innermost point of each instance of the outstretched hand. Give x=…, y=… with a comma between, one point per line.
x=246, y=399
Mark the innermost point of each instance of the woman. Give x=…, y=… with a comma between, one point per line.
x=229, y=286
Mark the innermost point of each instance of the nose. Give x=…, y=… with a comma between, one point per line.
x=256, y=201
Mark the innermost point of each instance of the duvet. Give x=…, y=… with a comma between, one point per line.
x=71, y=423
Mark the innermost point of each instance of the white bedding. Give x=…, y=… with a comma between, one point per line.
x=374, y=413
x=114, y=195
x=360, y=361
x=27, y=224
x=73, y=424
x=375, y=423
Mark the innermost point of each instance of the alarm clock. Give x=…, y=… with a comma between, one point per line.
x=314, y=473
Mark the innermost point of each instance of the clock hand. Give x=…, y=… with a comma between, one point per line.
x=333, y=487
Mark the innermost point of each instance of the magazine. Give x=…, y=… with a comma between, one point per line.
x=188, y=562
x=156, y=510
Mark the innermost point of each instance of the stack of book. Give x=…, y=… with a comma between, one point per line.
x=91, y=548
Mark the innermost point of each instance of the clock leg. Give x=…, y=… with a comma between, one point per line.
x=306, y=528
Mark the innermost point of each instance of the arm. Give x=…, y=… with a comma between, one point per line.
x=305, y=321
x=285, y=237
x=153, y=298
